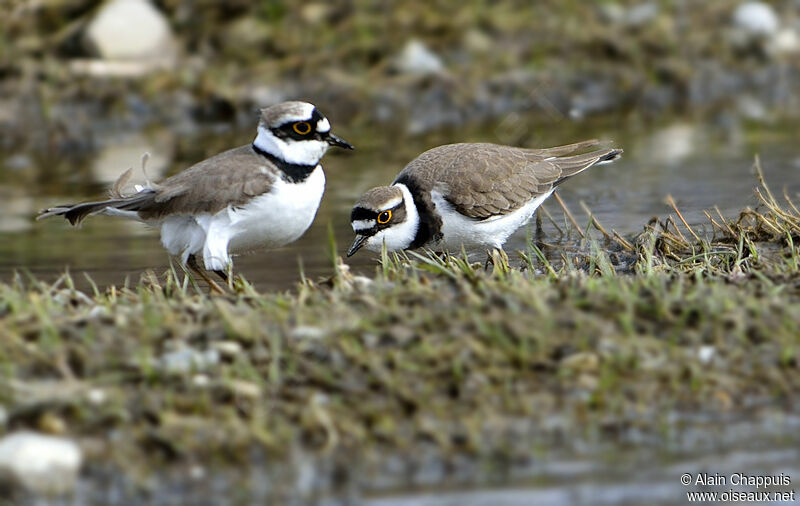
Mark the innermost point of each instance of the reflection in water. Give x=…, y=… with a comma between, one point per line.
x=121, y=153
x=681, y=159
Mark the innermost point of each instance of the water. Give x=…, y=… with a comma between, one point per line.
x=701, y=165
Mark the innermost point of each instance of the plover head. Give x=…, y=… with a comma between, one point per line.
x=384, y=215
x=296, y=132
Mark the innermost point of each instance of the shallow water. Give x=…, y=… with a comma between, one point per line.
x=701, y=165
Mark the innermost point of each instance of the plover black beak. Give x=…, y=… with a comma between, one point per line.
x=338, y=141
x=357, y=244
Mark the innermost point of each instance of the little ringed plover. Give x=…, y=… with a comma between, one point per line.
x=466, y=195
x=260, y=195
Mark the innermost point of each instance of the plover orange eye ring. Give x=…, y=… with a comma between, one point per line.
x=302, y=127
x=384, y=217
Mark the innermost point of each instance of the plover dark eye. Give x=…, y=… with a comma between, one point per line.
x=302, y=127
x=384, y=217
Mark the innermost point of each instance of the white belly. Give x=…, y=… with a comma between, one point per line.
x=278, y=217
x=268, y=221
x=458, y=230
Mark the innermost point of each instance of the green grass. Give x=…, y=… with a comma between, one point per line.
x=432, y=350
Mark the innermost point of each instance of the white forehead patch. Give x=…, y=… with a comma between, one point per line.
x=323, y=125
x=390, y=204
x=362, y=225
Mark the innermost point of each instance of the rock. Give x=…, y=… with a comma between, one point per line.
x=125, y=151
x=316, y=13
x=635, y=16
x=477, y=41
x=245, y=389
x=706, y=353
x=417, y=59
x=41, y=464
x=228, y=349
x=752, y=108
x=757, y=19
x=201, y=380
x=785, y=42
x=186, y=359
x=96, y=396
x=17, y=210
x=672, y=145
x=642, y=14
x=131, y=30
x=307, y=332
x=583, y=362
x=362, y=282
x=612, y=12
x=247, y=32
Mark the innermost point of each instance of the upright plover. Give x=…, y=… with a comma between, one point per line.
x=260, y=195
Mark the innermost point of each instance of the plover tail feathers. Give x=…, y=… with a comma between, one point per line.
x=76, y=213
x=609, y=157
x=564, y=150
x=571, y=165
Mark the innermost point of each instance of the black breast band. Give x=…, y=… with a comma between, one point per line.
x=430, y=222
x=293, y=172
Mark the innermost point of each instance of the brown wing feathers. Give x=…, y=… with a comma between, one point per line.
x=230, y=178
x=484, y=180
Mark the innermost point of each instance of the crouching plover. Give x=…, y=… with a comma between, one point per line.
x=260, y=195
x=466, y=195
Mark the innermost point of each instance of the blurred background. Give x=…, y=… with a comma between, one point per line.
x=690, y=89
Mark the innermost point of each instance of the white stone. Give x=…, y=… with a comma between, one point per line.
x=96, y=396
x=706, y=353
x=131, y=30
x=40, y=463
x=197, y=472
x=186, y=359
x=17, y=210
x=307, y=332
x=362, y=282
x=228, y=349
x=201, y=380
x=756, y=18
x=642, y=14
x=120, y=153
x=785, y=42
x=417, y=59
x=751, y=108
x=673, y=144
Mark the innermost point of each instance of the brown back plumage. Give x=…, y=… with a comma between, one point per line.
x=229, y=178
x=483, y=180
